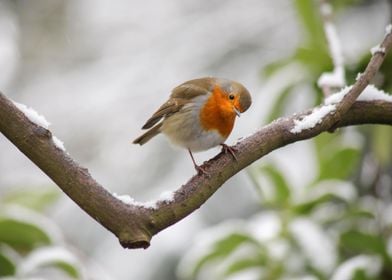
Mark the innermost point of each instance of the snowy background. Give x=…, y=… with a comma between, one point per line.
x=97, y=70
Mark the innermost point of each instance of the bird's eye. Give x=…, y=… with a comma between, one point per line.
x=231, y=96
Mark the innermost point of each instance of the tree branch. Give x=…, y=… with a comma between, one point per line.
x=135, y=225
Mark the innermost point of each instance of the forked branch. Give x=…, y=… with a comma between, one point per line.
x=135, y=225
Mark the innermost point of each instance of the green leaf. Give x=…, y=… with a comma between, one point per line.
x=37, y=199
x=68, y=268
x=382, y=140
x=333, y=191
x=222, y=249
x=279, y=105
x=352, y=215
x=51, y=257
x=231, y=242
x=21, y=235
x=273, y=67
x=317, y=59
x=203, y=261
x=7, y=267
x=244, y=264
x=360, y=274
x=336, y=160
x=309, y=15
x=362, y=242
x=307, y=207
x=339, y=4
x=359, y=242
x=339, y=164
x=282, y=189
x=325, y=142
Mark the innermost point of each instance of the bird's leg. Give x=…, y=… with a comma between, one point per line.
x=227, y=149
x=198, y=168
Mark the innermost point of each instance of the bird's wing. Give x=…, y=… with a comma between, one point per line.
x=193, y=88
x=169, y=107
x=180, y=96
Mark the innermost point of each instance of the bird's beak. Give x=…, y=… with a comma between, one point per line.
x=237, y=111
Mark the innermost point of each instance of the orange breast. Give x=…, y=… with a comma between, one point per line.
x=217, y=113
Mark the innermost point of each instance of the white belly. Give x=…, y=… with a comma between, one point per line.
x=184, y=129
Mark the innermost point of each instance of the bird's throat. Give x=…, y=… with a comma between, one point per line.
x=217, y=113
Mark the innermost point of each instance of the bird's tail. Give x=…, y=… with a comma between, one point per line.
x=144, y=138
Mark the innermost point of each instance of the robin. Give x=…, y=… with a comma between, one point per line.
x=199, y=115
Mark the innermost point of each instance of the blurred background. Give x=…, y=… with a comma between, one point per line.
x=319, y=209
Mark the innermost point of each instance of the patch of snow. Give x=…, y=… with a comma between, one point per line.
x=386, y=216
x=337, y=97
x=203, y=244
x=389, y=247
x=250, y=273
x=326, y=9
x=244, y=251
x=58, y=143
x=333, y=79
x=388, y=29
x=32, y=115
x=317, y=246
x=151, y=204
x=336, y=78
x=131, y=201
x=342, y=189
x=265, y=227
x=165, y=197
x=373, y=205
x=124, y=198
x=377, y=49
x=307, y=277
x=373, y=93
x=278, y=249
x=370, y=264
x=312, y=119
x=46, y=256
x=40, y=120
x=334, y=44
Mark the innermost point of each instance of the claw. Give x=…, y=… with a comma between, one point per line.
x=200, y=170
x=227, y=149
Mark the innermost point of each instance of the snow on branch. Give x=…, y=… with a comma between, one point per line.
x=372, y=93
x=32, y=115
x=133, y=225
x=338, y=96
x=164, y=198
x=377, y=49
x=39, y=120
x=311, y=120
x=388, y=29
x=336, y=105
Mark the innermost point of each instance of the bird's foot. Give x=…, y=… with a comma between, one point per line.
x=227, y=149
x=201, y=171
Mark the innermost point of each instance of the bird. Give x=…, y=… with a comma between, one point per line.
x=199, y=115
